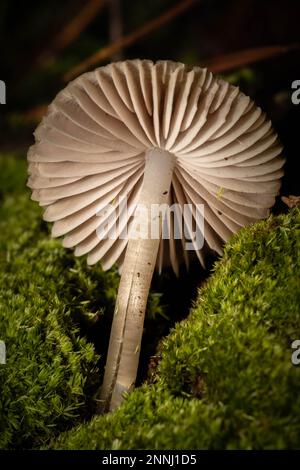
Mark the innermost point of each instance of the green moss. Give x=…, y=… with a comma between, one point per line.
x=51, y=375
x=53, y=308
x=226, y=379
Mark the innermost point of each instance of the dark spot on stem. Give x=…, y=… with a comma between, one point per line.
x=138, y=274
x=219, y=212
x=165, y=192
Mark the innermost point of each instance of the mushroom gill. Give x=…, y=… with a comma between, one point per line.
x=153, y=133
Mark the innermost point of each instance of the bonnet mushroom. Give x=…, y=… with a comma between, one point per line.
x=154, y=133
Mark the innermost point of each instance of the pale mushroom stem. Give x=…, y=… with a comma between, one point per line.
x=137, y=271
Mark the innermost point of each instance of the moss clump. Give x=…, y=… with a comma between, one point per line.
x=53, y=308
x=51, y=373
x=226, y=379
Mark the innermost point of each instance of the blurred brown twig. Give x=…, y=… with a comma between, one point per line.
x=130, y=39
x=70, y=31
x=238, y=59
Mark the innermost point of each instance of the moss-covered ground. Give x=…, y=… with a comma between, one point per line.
x=225, y=378
x=51, y=373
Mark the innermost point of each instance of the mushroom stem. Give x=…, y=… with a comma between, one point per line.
x=137, y=271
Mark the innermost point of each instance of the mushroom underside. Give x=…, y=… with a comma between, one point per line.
x=154, y=134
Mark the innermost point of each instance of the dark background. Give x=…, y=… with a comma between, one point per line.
x=33, y=64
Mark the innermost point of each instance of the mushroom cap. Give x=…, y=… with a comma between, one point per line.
x=90, y=152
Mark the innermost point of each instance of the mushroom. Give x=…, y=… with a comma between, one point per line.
x=153, y=133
